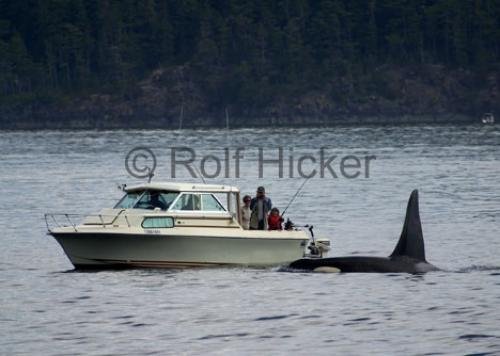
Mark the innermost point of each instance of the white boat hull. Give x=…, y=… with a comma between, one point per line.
x=104, y=249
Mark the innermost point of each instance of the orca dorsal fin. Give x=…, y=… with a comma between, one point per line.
x=411, y=242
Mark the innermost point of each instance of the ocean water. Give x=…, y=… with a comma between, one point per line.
x=49, y=309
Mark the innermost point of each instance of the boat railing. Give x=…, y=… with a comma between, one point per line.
x=53, y=220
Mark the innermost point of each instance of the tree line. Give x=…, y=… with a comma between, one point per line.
x=241, y=51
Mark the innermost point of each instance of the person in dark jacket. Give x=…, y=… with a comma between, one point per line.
x=260, y=206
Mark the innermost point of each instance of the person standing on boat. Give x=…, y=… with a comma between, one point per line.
x=275, y=220
x=260, y=206
x=246, y=212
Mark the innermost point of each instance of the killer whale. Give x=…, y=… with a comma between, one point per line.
x=408, y=255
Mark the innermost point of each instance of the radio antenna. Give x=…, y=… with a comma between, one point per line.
x=199, y=173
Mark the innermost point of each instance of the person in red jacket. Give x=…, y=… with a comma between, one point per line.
x=274, y=220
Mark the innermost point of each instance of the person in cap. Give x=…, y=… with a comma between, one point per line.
x=246, y=212
x=260, y=207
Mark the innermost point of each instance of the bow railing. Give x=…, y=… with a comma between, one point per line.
x=55, y=220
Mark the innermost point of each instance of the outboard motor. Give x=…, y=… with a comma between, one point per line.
x=317, y=247
x=323, y=246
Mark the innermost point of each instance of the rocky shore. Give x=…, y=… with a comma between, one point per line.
x=173, y=98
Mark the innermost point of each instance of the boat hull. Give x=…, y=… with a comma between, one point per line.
x=108, y=250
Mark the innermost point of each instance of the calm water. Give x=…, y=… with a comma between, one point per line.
x=47, y=309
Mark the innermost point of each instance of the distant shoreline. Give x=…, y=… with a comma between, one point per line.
x=405, y=95
x=354, y=121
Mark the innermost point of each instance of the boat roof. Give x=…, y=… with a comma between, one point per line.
x=183, y=187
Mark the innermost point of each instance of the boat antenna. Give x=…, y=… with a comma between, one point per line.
x=294, y=196
x=201, y=175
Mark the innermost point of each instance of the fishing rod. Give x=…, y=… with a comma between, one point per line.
x=313, y=248
x=295, y=196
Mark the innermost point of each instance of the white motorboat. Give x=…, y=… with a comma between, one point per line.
x=173, y=225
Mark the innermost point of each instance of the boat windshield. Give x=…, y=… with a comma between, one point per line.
x=147, y=200
x=128, y=200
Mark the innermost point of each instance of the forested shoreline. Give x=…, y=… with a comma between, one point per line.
x=153, y=63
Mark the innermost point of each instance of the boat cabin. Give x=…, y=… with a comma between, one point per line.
x=183, y=199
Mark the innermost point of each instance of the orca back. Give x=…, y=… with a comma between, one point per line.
x=411, y=241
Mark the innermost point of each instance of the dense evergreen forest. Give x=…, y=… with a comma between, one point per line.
x=241, y=55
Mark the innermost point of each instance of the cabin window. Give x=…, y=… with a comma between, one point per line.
x=156, y=199
x=210, y=203
x=158, y=222
x=198, y=202
x=188, y=202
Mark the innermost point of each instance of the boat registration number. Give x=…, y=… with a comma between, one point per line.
x=152, y=231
